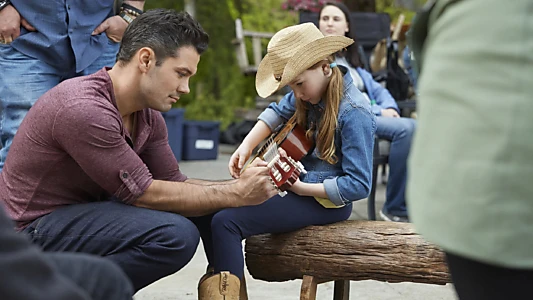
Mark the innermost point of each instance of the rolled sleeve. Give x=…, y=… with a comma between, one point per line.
x=271, y=118
x=277, y=113
x=332, y=190
x=133, y=184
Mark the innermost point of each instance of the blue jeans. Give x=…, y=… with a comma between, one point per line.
x=223, y=232
x=400, y=132
x=24, y=79
x=147, y=244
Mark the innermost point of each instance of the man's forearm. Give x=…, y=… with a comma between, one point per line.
x=208, y=182
x=190, y=199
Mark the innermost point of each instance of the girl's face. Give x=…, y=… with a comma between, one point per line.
x=333, y=21
x=311, y=85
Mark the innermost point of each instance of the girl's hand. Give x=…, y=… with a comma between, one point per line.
x=238, y=159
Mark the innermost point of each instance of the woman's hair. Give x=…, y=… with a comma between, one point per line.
x=325, y=140
x=352, y=52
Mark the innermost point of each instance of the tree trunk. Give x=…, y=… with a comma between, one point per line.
x=361, y=5
x=350, y=250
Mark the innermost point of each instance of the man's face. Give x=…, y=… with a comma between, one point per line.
x=167, y=82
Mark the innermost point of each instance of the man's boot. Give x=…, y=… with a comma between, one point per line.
x=223, y=286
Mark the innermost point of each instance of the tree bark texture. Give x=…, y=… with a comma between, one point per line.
x=349, y=250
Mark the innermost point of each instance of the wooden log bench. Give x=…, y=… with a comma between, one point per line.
x=349, y=250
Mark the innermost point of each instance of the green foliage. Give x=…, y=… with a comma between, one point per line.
x=394, y=11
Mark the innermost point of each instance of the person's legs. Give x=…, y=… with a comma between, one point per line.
x=474, y=280
x=400, y=132
x=97, y=276
x=107, y=59
x=278, y=214
x=146, y=244
x=23, y=80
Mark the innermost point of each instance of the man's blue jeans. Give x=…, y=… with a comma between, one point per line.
x=24, y=79
x=400, y=132
x=147, y=244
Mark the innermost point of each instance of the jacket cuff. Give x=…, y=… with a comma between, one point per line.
x=376, y=110
x=271, y=118
x=332, y=190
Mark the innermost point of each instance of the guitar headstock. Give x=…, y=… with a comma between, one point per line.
x=284, y=171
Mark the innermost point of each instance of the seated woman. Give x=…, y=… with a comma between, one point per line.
x=390, y=126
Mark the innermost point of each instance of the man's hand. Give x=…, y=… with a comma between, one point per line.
x=114, y=28
x=255, y=184
x=389, y=113
x=10, y=22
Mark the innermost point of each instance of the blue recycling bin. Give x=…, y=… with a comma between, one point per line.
x=200, y=140
x=174, y=119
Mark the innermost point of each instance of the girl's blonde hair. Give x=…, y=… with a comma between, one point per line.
x=325, y=138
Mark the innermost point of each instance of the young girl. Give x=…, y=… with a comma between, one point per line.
x=336, y=117
x=399, y=131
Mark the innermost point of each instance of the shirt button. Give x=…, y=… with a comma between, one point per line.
x=125, y=175
x=68, y=7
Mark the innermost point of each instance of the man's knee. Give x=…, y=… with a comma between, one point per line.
x=176, y=239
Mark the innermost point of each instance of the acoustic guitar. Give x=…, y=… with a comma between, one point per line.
x=284, y=171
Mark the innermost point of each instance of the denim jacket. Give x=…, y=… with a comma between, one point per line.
x=381, y=96
x=350, y=178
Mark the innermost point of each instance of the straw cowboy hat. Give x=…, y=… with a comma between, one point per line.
x=291, y=51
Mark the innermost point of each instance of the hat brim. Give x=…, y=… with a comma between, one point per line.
x=303, y=59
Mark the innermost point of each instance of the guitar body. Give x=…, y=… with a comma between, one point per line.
x=284, y=171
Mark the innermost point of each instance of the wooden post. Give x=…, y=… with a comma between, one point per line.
x=258, y=53
x=308, y=291
x=341, y=290
x=240, y=46
x=243, y=294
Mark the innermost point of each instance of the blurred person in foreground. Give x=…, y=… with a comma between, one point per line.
x=29, y=274
x=470, y=189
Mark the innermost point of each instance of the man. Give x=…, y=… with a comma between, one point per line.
x=91, y=169
x=45, y=42
x=28, y=273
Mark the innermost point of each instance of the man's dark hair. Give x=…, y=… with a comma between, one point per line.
x=164, y=31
